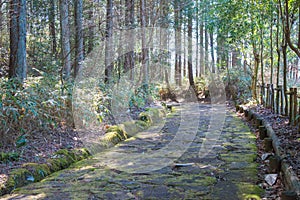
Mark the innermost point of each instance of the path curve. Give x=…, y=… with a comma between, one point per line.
x=228, y=171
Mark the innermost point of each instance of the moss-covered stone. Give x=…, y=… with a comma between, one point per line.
x=38, y=171
x=115, y=134
x=17, y=178
x=145, y=117
x=242, y=157
x=112, y=137
x=81, y=153
x=247, y=191
x=142, y=124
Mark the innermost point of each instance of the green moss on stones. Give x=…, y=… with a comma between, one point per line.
x=142, y=124
x=115, y=134
x=242, y=157
x=145, y=117
x=38, y=171
x=247, y=191
x=17, y=178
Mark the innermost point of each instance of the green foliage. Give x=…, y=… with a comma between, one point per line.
x=200, y=84
x=9, y=157
x=37, y=105
x=143, y=95
x=21, y=141
x=241, y=83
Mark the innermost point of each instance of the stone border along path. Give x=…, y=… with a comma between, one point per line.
x=289, y=177
x=227, y=172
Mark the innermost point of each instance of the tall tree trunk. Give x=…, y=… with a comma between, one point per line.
x=129, y=22
x=65, y=38
x=211, y=36
x=179, y=48
x=271, y=49
x=206, y=50
x=278, y=47
x=202, y=64
x=262, y=56
x=91, y=29
x=78, y=36
x=284, y=56
x=108, y=41
x=197, y=38
x=17, y=61
x=144, y=50
x=177, y=41
x=52, y=28
x=255, y=74
x=190, y=50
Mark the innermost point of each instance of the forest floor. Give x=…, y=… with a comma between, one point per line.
x=288, y=135
x=230, y=171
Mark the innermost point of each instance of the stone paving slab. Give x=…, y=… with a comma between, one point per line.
x=228, y=171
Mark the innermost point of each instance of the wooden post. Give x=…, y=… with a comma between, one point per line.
x=272, y=97
x=281, y=100
x=262, y=132
x=262, y=93
x=291, y=106
x=268, y=144
x=268, y=96
x=277, y=100
x=295, y=106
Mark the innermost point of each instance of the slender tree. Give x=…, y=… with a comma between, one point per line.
x=78, y=36
x=52, y=28
x=190, y=49
x=108, y=43
x=17, y=61
x=129, y=23
x=144, y=60
x=65, y=39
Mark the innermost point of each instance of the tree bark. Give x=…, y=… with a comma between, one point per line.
x=287, y=27
x=91, y=29
x=17, y=64
x=271, y=49
x=145, y=69
x=206, y=49
x=190, y=50
x=78, y=36
x=129, y=22
x=211, y=36
x=65, y=39
x=108, y=43
x=202, y=64
x=52, y=28
x=261, y=56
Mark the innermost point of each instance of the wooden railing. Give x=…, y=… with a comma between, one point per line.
x=274, y=98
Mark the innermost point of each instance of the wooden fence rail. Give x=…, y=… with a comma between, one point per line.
x=274, y=98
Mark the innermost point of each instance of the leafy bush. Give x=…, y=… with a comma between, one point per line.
x=142, y=96
x=241, y=82
x=37, y=105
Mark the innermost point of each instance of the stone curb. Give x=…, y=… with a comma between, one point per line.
x=118, y=133
x=34, y=172
x=290, y=179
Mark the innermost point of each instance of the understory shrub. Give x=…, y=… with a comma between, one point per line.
x=38, y=104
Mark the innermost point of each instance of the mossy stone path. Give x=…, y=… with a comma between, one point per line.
x=229, y=171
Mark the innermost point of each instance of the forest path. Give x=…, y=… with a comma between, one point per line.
x=228, y=171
